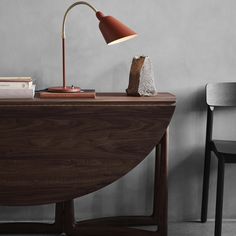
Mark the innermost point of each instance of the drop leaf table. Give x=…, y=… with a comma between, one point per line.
x=56, y=150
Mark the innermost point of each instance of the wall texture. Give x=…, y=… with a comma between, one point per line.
x=191, y=43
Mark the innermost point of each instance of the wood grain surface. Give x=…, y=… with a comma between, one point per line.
x=57, y=150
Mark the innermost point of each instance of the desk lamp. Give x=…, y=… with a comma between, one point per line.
x=112, y=30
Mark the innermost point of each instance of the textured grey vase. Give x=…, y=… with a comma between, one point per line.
x=141, y=79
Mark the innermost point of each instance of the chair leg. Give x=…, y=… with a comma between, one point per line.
x=219, y=197
x=206, y=179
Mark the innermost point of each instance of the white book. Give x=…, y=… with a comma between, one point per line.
x=17, y=93
x=15, y=85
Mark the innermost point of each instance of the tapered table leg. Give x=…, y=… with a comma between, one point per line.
x=69, y=218
x=160, y=205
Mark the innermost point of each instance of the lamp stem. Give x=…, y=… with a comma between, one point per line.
x=64, y=36
x=64, y=61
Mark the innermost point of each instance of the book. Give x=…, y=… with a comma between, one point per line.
x=15, y=82
x=15, y=85
x=15, y=79
x=17, y=93
x=85, y=93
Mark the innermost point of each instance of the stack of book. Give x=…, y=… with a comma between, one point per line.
x=16, y=87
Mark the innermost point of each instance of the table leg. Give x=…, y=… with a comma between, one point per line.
x=160, y=205
x=69, y=218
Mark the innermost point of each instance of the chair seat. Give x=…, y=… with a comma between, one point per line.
x=225, y=147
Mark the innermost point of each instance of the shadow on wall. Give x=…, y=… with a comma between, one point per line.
x=190, y=99
x=187, y=140
x=185, y=185
x=27, y=213
x=130, y=195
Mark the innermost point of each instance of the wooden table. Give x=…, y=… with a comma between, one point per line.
x=55, y=150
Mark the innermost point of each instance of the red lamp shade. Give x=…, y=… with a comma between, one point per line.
x=113, y=30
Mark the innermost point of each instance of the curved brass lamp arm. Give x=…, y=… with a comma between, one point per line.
x=68, y=10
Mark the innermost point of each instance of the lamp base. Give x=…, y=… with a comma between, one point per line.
x=71, y=89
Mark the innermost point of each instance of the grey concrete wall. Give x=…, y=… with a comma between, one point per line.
x=191, y=43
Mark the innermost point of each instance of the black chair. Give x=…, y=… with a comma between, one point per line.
x=217, y=95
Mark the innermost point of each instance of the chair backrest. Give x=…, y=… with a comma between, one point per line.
x=221, y=94
x=218, y=95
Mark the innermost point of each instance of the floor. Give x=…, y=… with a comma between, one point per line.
x=192, y=229
x=199, y=229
